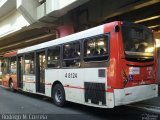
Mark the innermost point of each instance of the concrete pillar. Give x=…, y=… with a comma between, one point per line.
x=13, y=21
x=28, y=8
x=65, y=30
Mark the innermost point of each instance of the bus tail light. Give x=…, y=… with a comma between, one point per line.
x=125, y=78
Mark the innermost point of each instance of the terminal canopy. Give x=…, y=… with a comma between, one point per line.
x=27, y=36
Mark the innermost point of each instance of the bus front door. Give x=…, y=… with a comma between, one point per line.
x=20, y=72
x=40, y=72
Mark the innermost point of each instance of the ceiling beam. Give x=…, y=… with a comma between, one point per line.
x=129, y=8
x=155, y=27
x=26, y=43
x=137, y=15
x=151, y=22
x=23, y=35
x=148, y=19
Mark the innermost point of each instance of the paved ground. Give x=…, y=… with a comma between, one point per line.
x=28, y=104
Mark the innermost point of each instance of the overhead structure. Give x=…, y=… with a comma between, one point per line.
x=26, y=37
x=47, y=18
x=148, y=14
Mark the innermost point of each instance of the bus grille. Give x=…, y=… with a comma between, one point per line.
x=95, y=93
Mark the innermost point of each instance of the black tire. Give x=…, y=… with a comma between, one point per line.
x=58, y=95
x=11, y=86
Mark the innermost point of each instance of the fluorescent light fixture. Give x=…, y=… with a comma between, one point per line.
x=147, y=19
x=153, y=26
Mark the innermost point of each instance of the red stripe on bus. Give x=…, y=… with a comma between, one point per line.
x=48, y=84
x=110, y=90
x=67, y=86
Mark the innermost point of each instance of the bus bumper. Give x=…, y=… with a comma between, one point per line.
x=135, y=94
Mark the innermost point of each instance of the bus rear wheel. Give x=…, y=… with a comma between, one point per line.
x=58, y=95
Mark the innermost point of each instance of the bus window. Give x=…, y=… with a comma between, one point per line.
x=53, y=57
x=29, y=63
x=5, y=66
x=12, y=65
x=95, y=49
x=138, y=42
x=71, y=54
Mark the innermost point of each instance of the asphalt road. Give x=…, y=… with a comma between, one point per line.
x=27, y=106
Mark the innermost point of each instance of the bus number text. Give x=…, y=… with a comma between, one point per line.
x=71, y=75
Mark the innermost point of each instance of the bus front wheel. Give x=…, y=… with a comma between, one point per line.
x=58, y=95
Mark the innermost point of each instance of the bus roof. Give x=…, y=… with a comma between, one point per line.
x=77, y=36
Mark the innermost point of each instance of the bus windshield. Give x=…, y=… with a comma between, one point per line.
x=138, y=41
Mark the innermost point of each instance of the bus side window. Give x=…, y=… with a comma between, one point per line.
x=13, y=65
x=29, y=63
x=96, y=49
x=53, y=56
x=5, y=66
x=71, y=54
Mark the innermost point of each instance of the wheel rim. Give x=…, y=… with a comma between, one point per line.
x=58, y=95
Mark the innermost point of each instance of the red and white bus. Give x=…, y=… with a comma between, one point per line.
x=9, y=70
x=105, y=66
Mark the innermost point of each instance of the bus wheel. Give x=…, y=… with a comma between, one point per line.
x=11, y=86
x=58, y=95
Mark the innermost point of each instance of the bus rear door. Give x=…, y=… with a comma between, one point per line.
x=40, y=71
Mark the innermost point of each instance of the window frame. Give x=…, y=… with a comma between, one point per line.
x=60, y=56
x=24, y=58
x=135, y=55
x=9, y=64
x=107, y=48
x=76, y=58
x=5, y=66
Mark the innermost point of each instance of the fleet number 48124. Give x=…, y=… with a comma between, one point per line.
x=71, y=75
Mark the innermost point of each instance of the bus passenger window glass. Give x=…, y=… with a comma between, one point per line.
x=29, y=63
x=138, y=41
x=53, y=57
x=71, y=54
x=13, y=65
x=96, y=49
x=5, y=66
